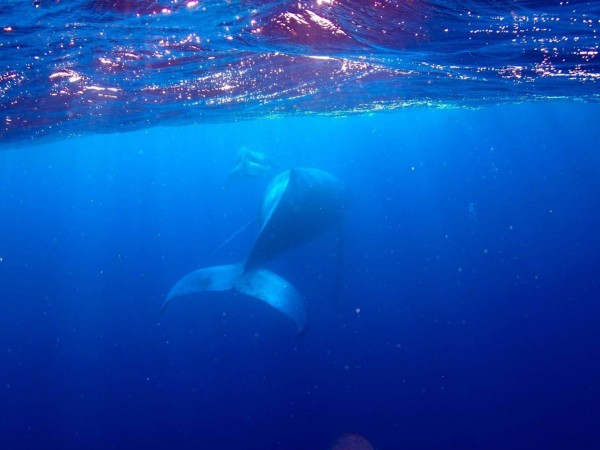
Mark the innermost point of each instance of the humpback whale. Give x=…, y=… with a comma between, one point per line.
x=300, y=204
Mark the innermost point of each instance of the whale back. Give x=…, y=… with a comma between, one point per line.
x=300, y=204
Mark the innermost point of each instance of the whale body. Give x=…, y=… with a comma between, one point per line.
x=300, y=204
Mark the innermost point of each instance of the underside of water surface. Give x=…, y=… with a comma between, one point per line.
x=71, y=67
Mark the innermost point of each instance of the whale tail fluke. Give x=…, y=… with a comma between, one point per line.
x=259, y=283
x=277, y=292
x=216, y=278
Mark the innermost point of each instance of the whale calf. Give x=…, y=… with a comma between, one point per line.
x=300, y=204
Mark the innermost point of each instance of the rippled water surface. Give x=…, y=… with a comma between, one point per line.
x=70, y=67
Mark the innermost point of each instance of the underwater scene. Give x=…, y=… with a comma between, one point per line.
x=299, y=225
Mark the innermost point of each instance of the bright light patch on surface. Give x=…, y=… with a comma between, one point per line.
x=324, y=23
x=323, y=58
x=289, y=17
x=70, y=74
x=100, y=88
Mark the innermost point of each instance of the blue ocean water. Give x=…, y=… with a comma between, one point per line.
x=467, y=316
x=461, y=308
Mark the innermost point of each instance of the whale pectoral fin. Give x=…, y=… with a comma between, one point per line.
x=277, y=292
x=216, y=278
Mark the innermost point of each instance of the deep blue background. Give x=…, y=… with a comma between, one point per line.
x=469, y=309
